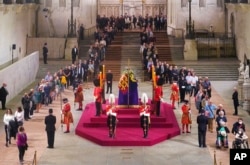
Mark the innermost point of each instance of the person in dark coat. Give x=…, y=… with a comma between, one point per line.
x=109, y=80
x=202, y=122
x=50, y=122
x=45, y=53
x=235, y=101
x=3, y=94
x=74, y=53
x=81, y=32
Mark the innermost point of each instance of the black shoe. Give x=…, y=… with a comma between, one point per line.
x=66, y=132
x=235, y=114
x=7, y=144
x=50, y=147
x=205, y=146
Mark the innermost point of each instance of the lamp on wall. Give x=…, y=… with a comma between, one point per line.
x=189, y=26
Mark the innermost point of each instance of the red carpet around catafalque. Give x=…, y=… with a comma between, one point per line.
x=128, y=132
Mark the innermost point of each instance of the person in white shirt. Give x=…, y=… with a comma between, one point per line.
x=8, y=116
x=19, y=115
x=189, y=80
x=193, y=83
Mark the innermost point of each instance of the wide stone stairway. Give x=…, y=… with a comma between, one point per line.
x=124, y=52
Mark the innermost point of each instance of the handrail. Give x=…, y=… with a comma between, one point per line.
x=90, y=31
x=175, y=32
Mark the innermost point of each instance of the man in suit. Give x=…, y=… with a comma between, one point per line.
x=74, y=53
x=202, y=122
x=109, y=80
x=3, y=94
x=50, y=122
x=45, y=53
x=235, y=101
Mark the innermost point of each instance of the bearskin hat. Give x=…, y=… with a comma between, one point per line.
x=160, y=81
x=96, y=82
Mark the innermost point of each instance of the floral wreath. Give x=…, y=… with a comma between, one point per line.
x=123, y=85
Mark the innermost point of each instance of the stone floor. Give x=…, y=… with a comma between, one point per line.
x=71, y=149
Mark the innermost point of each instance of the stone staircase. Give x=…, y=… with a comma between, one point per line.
x=216, y=69
x=124, y=51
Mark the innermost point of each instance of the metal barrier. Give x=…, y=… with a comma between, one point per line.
x=34, y=162
x=217, y=45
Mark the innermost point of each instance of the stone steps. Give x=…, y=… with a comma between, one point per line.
x=126, y=45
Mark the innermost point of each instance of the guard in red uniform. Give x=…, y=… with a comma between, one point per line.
x=79, y=96
x=186, y=117
x=98, y=97
x=174, y=94
x=158, y=96
x=111, y=112
x=67, y=115
x=144, y=111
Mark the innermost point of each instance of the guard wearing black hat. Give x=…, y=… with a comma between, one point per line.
x=98, y=96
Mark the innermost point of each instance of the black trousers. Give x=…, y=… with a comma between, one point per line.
x=7, y=133
x=111, y=122
x=26, y=113
x=3, y=100
x=158, y=106
x=144, y=125
x=182, y=94
x=202, y=138
x=45, y=58
x=109, y=88
x=98, y=108
x=50, y=138
x=235, y=109
x=21, y=150
x=73, y=59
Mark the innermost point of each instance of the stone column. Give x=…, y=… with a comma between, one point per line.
x=246, y=92
x=240, y=89
x=190, y=50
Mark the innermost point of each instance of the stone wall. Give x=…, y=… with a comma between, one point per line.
x=239, y=24
x=23, y=73
x=17, y=22
x=204, y=14
x=54, y=22
x=55, y=46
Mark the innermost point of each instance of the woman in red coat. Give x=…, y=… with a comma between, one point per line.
x=186, y=118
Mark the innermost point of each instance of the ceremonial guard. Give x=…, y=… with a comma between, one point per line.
x=174, y=94
x=158, y=96
x=67, y=115
x=79, y=96
x=98, y=96
x=186, y=117
x=144, y=115
x=111, y=116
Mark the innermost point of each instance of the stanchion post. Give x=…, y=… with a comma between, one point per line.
x=215, y=162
